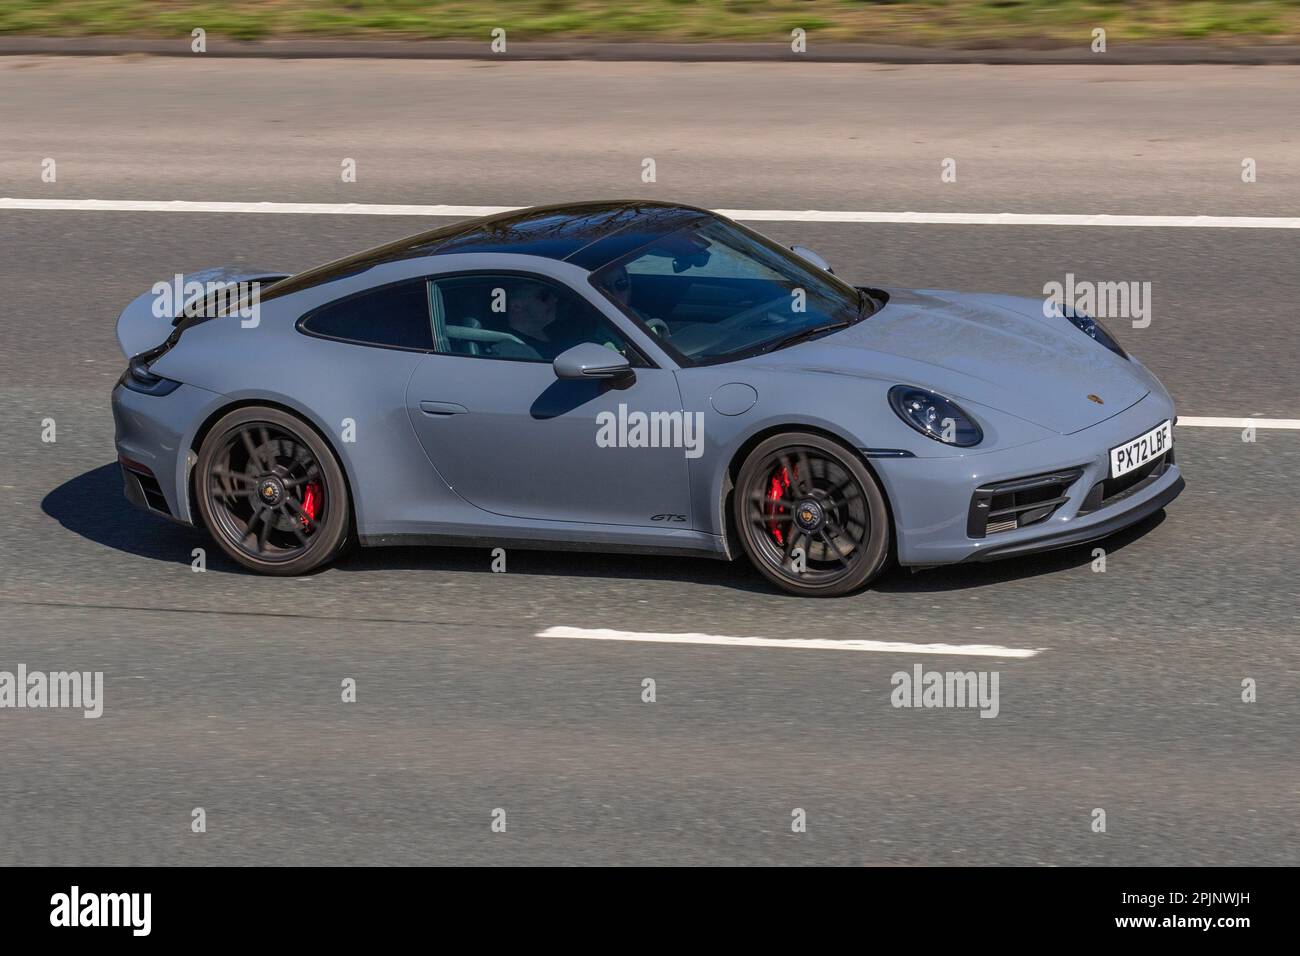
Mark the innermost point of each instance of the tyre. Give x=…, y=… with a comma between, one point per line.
x=271, y=492
x=810, y=515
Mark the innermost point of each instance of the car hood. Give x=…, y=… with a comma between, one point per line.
x=995, y=350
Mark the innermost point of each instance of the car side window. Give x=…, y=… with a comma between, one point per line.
x=394, y=316
x=520, y=318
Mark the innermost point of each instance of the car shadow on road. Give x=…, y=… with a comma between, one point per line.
x=735, y=575
x=575, y=564
x=92, y=505
x=959, y=577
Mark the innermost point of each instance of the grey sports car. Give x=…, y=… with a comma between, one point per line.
x=629, y=376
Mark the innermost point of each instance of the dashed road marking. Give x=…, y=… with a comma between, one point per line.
x=1289, y=423
x=814, y=644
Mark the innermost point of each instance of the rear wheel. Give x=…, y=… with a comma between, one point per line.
x=271, y=492
x=810, y=515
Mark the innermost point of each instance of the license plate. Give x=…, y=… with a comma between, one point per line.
x=1141, y=450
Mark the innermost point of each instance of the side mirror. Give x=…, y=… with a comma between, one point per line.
x=803, y=252
x=590, y=360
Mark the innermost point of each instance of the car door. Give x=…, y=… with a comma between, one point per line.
x=513, y=439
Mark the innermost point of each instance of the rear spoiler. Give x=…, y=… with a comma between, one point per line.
x=153, y=316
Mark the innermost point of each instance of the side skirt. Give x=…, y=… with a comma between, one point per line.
x=417, y=539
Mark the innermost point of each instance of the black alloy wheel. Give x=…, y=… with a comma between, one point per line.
x=811, y=516
x=271, y=492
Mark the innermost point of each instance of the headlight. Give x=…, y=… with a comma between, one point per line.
x=934, y=416
x=1091, y=328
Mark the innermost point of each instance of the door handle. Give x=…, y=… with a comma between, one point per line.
x=439, y=409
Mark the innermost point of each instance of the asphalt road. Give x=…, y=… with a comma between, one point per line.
x=223, y=689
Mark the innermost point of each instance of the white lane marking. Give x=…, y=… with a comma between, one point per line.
x=815, y=644
x=294, y=208
x=749, y=215
x=1291, y=423
x=1014, y=219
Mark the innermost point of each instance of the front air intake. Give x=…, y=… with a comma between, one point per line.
x=1007, y=505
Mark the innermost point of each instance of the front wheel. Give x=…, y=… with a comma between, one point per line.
x=271, y=492
x=810, y=515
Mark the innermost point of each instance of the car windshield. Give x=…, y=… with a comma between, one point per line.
x=715, y=291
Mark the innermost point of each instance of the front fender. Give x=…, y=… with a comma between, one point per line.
x=853, y=409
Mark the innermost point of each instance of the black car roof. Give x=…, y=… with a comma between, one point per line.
x=589, y=235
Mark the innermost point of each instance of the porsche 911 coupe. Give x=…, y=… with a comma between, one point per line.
x=630, y=376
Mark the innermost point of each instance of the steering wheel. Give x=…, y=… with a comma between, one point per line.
x=659, y=327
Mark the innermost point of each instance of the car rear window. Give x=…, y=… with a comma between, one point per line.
x=395, y=316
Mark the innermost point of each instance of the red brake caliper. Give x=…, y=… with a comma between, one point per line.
x=310, y=501
x=776, y=491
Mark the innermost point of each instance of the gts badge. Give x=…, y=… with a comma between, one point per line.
x=668, y=517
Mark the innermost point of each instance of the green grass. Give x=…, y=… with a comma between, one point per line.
x=959, y=22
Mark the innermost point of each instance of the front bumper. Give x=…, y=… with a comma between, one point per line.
x=1085, y=531
x=152, y=434
x=931, y=497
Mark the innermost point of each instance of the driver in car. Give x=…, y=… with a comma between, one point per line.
x=530, y=315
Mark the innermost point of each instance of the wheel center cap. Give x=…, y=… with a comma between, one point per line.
x=270, y=491
x=808, y=515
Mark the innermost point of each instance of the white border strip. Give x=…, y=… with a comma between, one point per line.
x=815, y=644
x=1288, y=423
x=749, y=215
